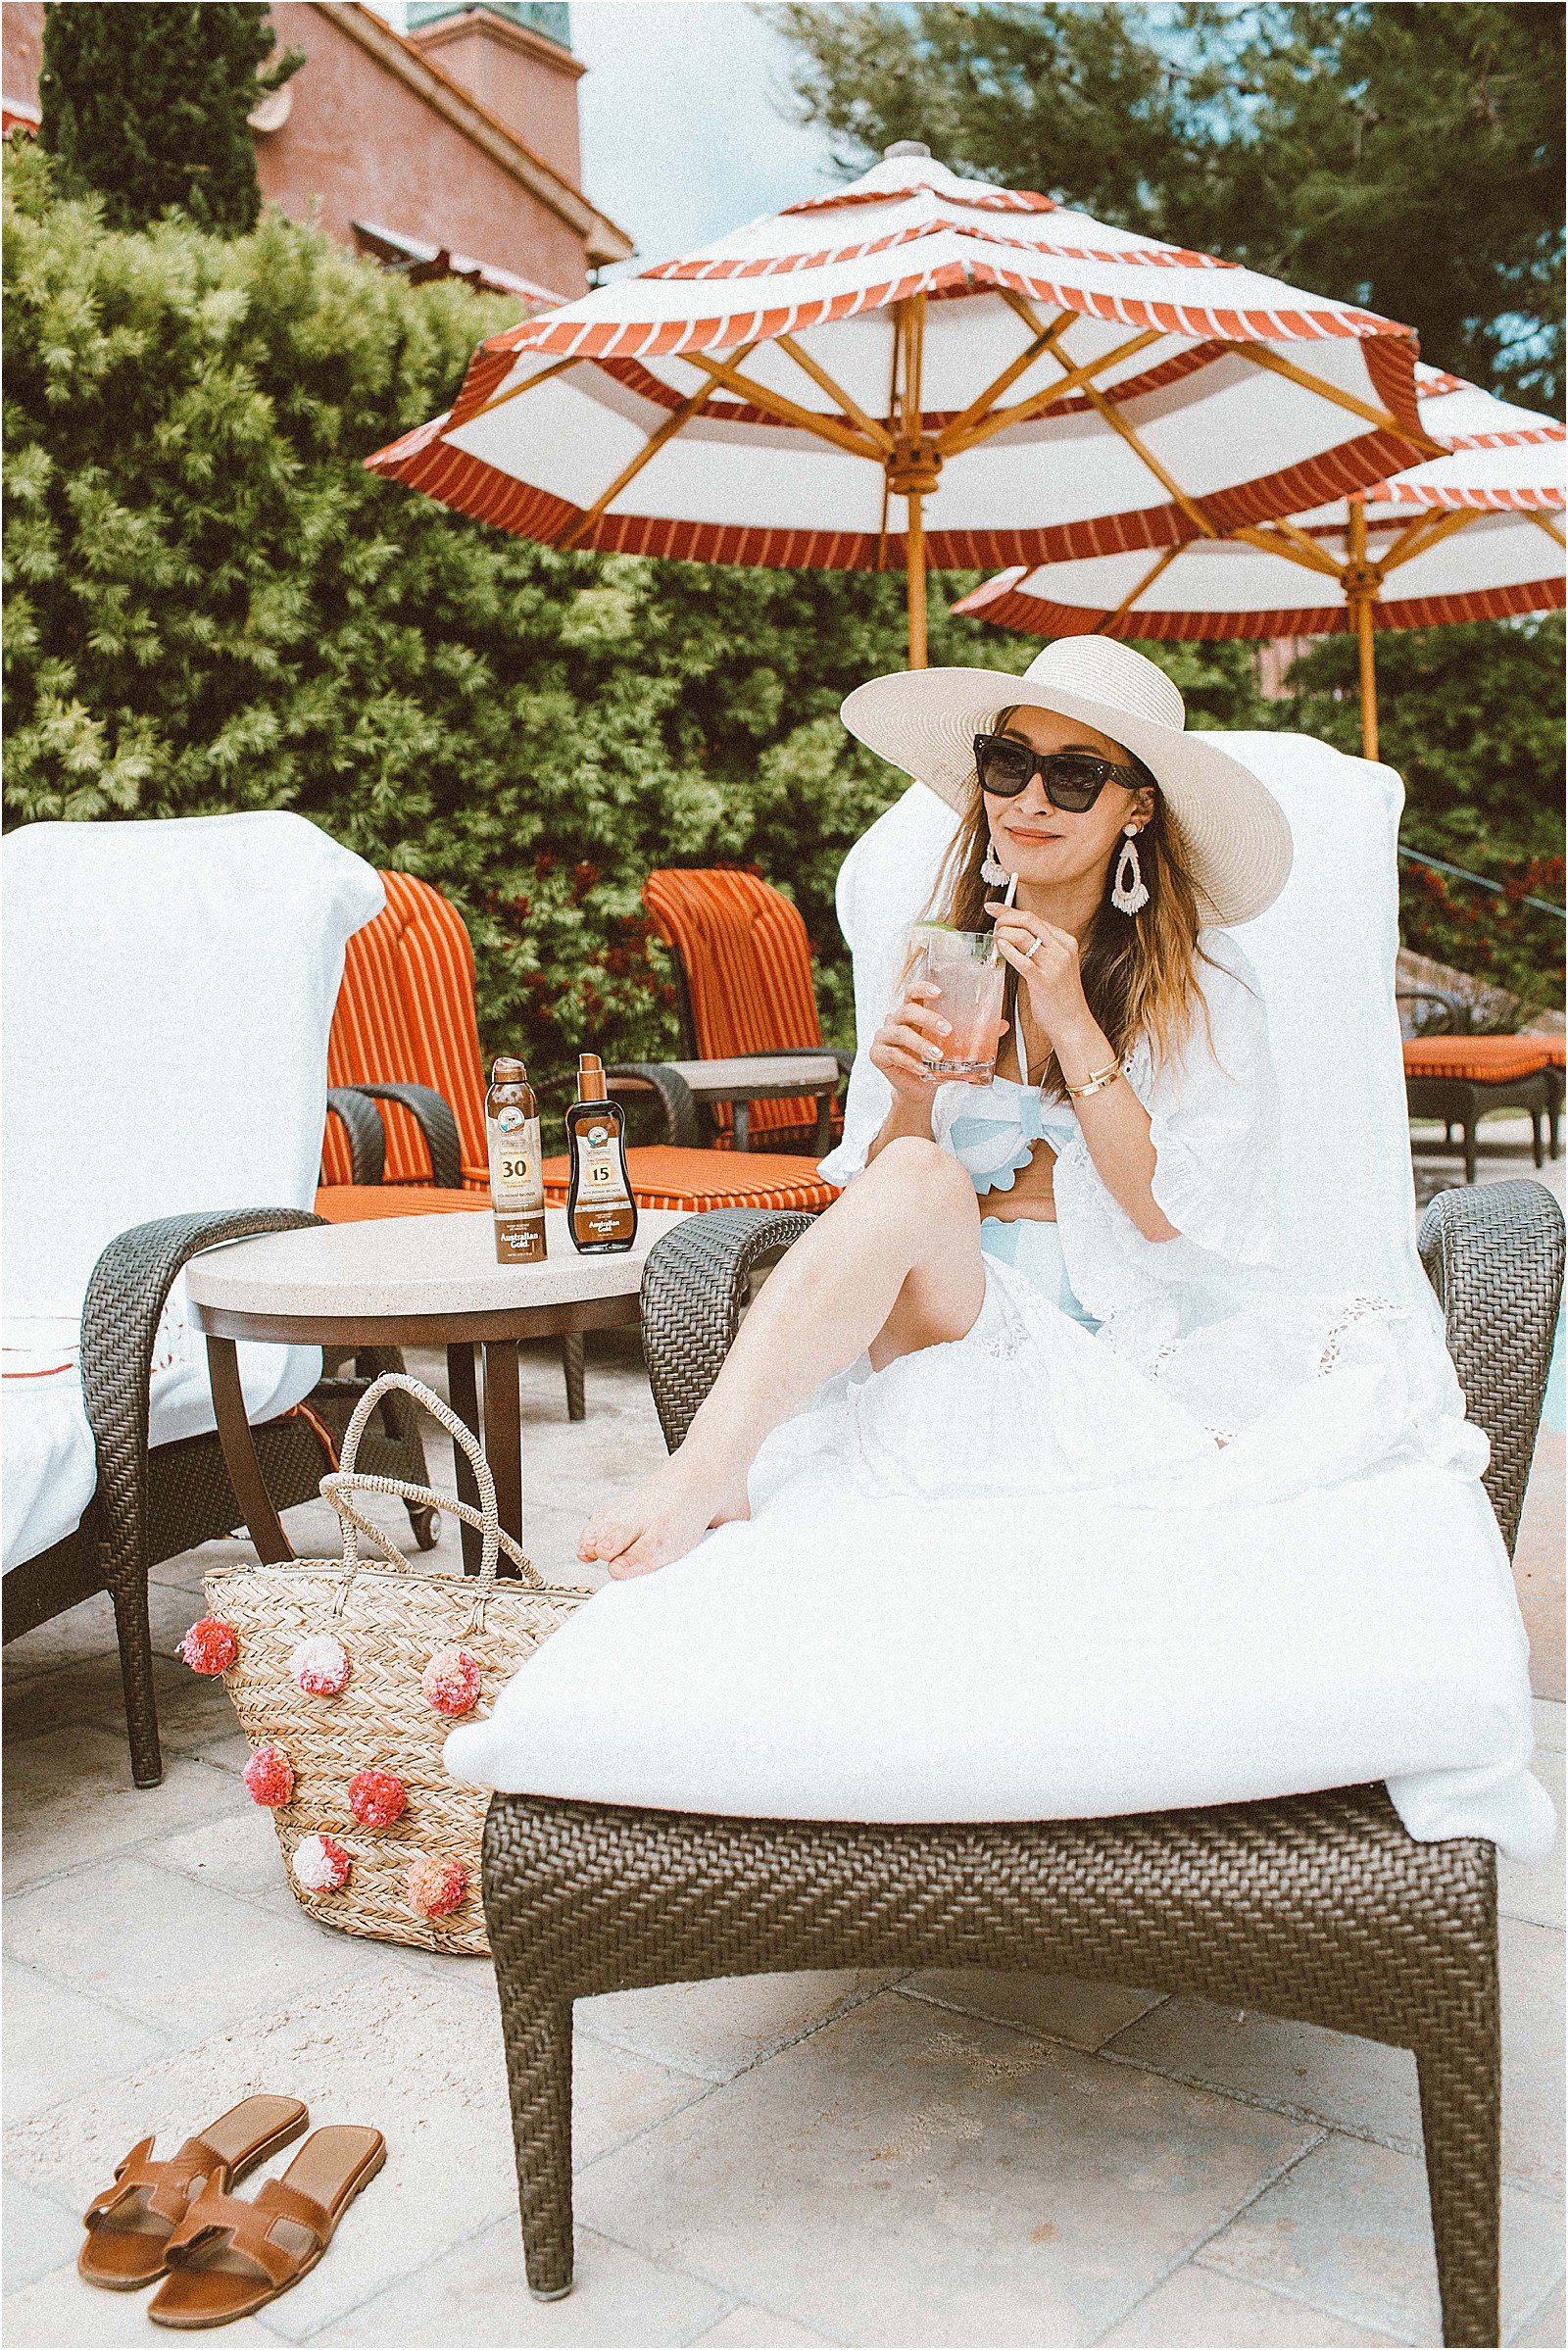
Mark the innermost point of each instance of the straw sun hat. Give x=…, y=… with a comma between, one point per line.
x=1238, y=840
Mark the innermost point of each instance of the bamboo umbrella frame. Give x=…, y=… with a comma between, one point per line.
x=1218, y=394
x=1500, y=482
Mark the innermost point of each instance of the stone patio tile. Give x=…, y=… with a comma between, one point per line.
x=182, y=1956
x=39, y=2235
x=1321, y=2076
x=914, y=2176
x=1348, y=2231
x=87, y=1630
x=748, y=2327
x=246, y=1859
x=1532, y=1962
x=477, y=2296
x=57, y=2042
x=60, y=2308
x=1538, y=1893
x=1064, y=2007
x=1367, y=2088
x=69, y=1798
x=717, y=2029
x=1547, y=2328
x=420, y=2061
x=1550, y=1721
x=1198, y=2309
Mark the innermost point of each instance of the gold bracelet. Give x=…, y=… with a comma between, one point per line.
x=1095, y=1082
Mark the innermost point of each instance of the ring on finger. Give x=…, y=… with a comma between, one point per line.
x=1034, y=950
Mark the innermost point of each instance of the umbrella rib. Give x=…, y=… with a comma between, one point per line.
x=1417, y=536
x=650, y=449
x=500, y=399
x=1290, y=545
x=786, y=412
x=1167, y=481
x=1045, y=339
x=1261, y=357
x=1074, y=380
x=1545, y=522
x=1147, y=581
x=852, y=409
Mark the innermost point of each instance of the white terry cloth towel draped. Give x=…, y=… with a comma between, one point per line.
x=1341, y=1618
x=168, y=991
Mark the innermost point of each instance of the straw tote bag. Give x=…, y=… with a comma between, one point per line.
x=347, y=1677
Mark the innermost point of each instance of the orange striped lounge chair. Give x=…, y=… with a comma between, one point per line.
x=1458, y=1078
x=406, y=1033
x=754, y=1061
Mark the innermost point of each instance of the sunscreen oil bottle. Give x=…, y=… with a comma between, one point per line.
x=601, y=1212
x=516, y=1164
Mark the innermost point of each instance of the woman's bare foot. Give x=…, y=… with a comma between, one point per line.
x=666, y=1517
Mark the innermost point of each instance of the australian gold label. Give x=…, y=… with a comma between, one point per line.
x=600, y=1182
x=516, y=1165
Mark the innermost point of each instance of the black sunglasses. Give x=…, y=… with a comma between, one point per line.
x=1073, y=779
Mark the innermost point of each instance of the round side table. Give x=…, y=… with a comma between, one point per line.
x=405, y=1280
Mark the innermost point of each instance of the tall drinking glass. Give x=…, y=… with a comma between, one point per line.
x=965, y=966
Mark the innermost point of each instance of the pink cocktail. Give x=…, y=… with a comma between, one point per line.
x=965, y=966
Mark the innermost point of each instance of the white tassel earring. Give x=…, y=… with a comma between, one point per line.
x=991, y=871
x=1129, y=893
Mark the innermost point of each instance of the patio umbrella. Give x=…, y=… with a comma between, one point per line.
x=917, y=368
x=1475, y=534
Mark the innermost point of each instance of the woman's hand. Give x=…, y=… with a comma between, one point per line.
x=1046, y=960
x=908, y=1041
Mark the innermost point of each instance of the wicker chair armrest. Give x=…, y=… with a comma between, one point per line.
x=124, y=1303
x=432, y=1114
x=674, y=1096
x=361, y=1122
x=1459, y=1012
x=694, y=1286
x=1493, y=1253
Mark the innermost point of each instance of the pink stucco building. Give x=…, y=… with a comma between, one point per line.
x=452, y=146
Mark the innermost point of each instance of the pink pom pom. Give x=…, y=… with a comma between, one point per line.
x=210, y=1647
x=451, y=1681
x=321, y=1864
x=270, y=1776
x=376, y=1799
x=321, y=1665
x=437, y=1885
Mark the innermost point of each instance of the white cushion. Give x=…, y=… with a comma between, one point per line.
x=990, y=1662
x=995, y=1659
x=168, y=991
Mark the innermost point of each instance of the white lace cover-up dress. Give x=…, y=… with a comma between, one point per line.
x=1182, y=1373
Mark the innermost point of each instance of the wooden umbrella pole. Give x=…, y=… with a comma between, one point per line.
x=911, y=472
x=1361, y=584
x=915, y=559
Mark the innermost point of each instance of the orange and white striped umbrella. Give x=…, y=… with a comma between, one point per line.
x=917, y=368
x=1475, y=534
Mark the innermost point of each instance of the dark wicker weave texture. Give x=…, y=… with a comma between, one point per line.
x=1318, y=1907
x=1494, y=1256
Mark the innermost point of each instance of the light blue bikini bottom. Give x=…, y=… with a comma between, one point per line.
x=1034, y=1249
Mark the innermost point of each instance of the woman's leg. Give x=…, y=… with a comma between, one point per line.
x=893, y=1266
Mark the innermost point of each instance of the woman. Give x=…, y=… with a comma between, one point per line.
x=1066, y=1278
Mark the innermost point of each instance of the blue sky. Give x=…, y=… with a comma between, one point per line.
x=683, y=124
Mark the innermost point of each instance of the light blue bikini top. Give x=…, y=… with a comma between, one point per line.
x=994, y=1137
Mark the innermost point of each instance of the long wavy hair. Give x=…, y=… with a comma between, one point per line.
x=1140, y=973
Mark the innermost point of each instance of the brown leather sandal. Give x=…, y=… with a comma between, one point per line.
x=130, y=2224
x=230, y=2256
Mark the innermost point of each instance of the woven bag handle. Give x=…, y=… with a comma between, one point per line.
x=336, y=1488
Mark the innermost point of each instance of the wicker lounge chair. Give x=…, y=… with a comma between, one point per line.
x=147, y=1490
x=1317, y=1907
x=744, y=987
x=1452, y=1074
